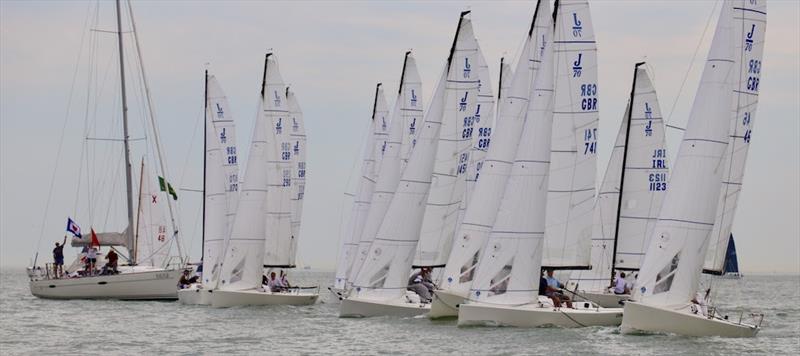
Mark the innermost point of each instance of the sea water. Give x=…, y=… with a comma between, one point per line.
x=29, y=325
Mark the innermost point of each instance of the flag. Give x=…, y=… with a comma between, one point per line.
x=73, y=228
x=166, y=187
x=95, y=241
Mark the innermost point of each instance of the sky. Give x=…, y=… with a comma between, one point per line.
x=332, y=53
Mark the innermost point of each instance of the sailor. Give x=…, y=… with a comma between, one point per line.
x=420, y=283
x=58, y=258
x=91, y=259
x=284, y=282
x=621, y=285
x=185, y=280
x=553, y=290
x=274, y=284
x=111, y=265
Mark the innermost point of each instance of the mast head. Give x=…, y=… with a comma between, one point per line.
x=403, y=73
x=375, y=102
x=535, y=14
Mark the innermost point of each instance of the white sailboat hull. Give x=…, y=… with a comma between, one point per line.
x=194, y=296
x=647, y=318
x=445, y=304
x=603, y=299
x=537, y=315
x=355, y=307
x=229, y=298
x=144, y=285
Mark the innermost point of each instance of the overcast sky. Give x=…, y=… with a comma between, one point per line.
x=332, y=53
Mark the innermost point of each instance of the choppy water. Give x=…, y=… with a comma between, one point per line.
x=29, y=325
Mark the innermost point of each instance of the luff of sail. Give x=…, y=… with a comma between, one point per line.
x=221, y=178
x=280, y=245
x=479, y=216
x=364, y=189
x=385, y=272
x=573, y=160
x=671, y=269
x=511, y=260
x=749, y=30
x=405, y=126
x=642, y=194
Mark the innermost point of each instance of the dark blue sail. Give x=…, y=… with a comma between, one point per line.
x=731, y=266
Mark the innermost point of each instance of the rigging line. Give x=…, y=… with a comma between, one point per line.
x=63, y=130
x=691, y=64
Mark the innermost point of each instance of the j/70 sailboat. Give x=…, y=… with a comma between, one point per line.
x=148, y=274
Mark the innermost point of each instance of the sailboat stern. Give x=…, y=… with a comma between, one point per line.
x=643, y=318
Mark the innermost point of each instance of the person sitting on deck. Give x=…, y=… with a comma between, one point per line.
x=58, y=258
x=420, y=283
x=284, y=282
x=553, y=291
x=111, y=265
x=621, y=285
x=185, y=280
x=274, y=283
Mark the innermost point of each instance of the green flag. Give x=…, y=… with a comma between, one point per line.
x=162, y=183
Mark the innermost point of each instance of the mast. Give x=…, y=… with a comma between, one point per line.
x=455, y=39
x=403, y=74
x=622, y=173
x=156, y=136
x=205, y=158
x=125, y=139
x=135, y=252
x=375, y=102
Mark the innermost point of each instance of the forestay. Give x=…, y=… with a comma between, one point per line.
x=404, y=128
x=449, y=180
x=280, y=245
x=221, y=178
x=480, y=213
x=671, y=269
x=749, y=29
x=298, y=141
x=645, y=185
x=573, y=160
x=385, y=272
x=373, y=151
x=508, y=272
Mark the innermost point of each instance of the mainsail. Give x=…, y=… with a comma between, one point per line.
x=573, y=159
x=298, y=141
x=221, y=178
x=641, y=148
x=405, y=125
x=749, y=29
x=480, y=213
x=671, y=268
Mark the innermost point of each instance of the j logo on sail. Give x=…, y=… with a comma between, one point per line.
x=576, y=66
x=462, y=106
x=219, y=111
x=467, y=68
x=413, y=127
x=413, y=98
x=541, y=49
x=277, y=98
x=748, y=42
x=295, y=125
x=222, y=136
x=478, y=113
x=297, y=147
x=383, y=123
x=648, y=129
x=576, y=26
x=279, y=126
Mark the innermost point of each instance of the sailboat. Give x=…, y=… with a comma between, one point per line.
x=405, y=127
x=372, y=155
x=220, y=189
x=667, y=295
x=380, y=285
x=630, y=196
x=147, y=275
x=731, y=269
x=478, y=218
x=261, y=235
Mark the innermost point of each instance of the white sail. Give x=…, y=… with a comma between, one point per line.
x=671, y=269
x=484, y=122
x=298, y=141
x=280, y=245
x=385, y=272
x=373, y=152
x=749, y=29
x=244, y=251
x=643, y=192
x=152, y=236
x=221, y=178
x=454, y=155
x=480, y=213
x=508, y=271
x=573, y=160
x=405, y=125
